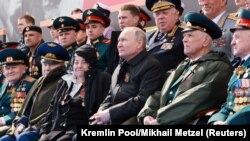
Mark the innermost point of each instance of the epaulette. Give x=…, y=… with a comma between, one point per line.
x=106, y=41
x=151, y=28
x=29, y=79
x=233, y=16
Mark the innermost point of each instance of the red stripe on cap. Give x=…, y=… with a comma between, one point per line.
x=243, y=22
x=96, y=18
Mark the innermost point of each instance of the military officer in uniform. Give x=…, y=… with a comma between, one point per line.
x=236, y=110
x=67, y=29
x=216, y=11
x=13, y=91
x=27, y=124
x=96, y=22
x=3, y=46
x=199, y=83
x=165, y=43
x=33, y=38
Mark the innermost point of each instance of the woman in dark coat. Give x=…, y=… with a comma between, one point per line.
x=77, y=97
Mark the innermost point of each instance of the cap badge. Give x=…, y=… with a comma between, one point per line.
x=51, y=45
x=9, y=59
x=89, y=12
x=61, y=20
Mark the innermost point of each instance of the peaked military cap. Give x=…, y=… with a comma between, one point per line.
x=144, y=15
x=197, y=21
x=8, y=45
x=243, y=21
x=157, y=5
x=103, y=8
x=53, y=51
x=13, y=56
x=32, y=28
x=95, y=16
x=81, y=24
x=64, y=23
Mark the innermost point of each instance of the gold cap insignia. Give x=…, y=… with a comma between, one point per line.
x=9, y=59
x=50, y=55
x=51, y=45
x=189, y=25
x=161, y=5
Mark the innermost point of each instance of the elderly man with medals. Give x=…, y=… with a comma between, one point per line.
x=236, y=110
x=14, y=89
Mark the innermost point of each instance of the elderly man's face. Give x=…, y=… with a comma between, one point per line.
x=193, y=43
x=47, y=68
x=240, y=43
x=166, y=19
x=14, y=72
x=212, y=8
x=128, y=46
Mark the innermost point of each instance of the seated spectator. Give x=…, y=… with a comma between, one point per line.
x=138, y=76
x=13, y=91
x=199, y=83
x=77, y=97
x=236, y=110
x=27, y=124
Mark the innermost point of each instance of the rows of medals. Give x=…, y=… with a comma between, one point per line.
x=17, y=97
x=241, y=94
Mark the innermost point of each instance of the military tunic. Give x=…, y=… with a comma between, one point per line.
x=190, y=89
x=167, y=48
x=102, y=44
x=223, y=44
x=236, y=110
x=12, y=97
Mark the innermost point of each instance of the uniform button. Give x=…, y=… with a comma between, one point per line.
x=170, y=101
x=2, y=107
x=171, y=92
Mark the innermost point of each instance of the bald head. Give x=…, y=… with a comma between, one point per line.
x=131, y=42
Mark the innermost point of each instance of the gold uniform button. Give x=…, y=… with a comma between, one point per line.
x=229, y=103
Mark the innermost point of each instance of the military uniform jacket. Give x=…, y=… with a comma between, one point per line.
x=12, y=97
x=203, y=87
x=37, y=101
x=143, y=76
x=236, y=110
x=77, y=110
x=102, y=44
x=169, y=49
x=223, y=44
x=35, y=66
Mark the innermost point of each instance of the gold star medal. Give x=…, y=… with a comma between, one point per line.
x=240, y=70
